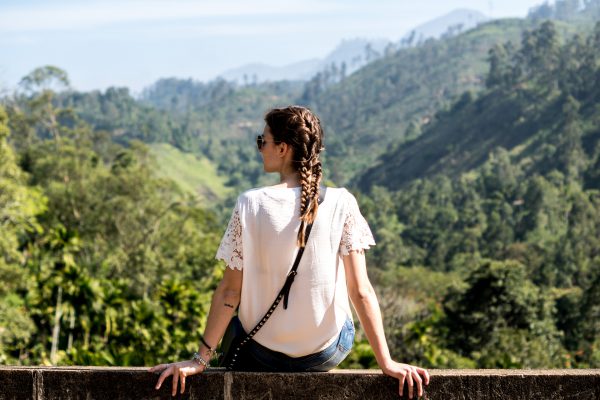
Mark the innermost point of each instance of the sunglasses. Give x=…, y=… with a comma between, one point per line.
x=261, y=142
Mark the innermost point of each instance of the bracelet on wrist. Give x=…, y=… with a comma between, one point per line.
x=211, y=351
x=197, y=358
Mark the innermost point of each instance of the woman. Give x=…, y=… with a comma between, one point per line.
x=313, y=329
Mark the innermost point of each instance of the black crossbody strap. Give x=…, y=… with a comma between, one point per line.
x=285, y=291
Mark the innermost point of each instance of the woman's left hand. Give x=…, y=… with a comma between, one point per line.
x=179, y=370
x=412, y=375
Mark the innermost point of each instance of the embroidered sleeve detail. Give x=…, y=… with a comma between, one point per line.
x=356, y=234
x=230, y=249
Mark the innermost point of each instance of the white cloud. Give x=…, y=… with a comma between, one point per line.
x=96, y=14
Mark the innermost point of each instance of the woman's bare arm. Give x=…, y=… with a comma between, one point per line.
x=366, y=305
x=225, y=300
x=224, y=303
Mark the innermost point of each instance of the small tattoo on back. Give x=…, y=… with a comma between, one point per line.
x=229, y=305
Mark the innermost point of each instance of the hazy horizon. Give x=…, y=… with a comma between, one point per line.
x=134, y=43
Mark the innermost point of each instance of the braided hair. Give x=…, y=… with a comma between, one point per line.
x=301, y=129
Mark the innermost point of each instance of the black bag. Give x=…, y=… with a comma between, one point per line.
x=231, y=340
x=235, y=337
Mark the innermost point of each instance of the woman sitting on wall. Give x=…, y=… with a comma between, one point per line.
x=302, y=245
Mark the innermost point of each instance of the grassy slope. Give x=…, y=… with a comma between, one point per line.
x=193, y=175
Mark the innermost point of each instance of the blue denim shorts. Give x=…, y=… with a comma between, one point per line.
x=260, y=358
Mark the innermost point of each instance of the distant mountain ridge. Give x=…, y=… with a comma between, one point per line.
x=257, y=72
x=352, y=52
x=356, y=53
x=454, y=22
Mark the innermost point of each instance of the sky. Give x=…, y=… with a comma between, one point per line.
x=133, y=43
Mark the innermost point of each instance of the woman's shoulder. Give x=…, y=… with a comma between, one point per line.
x=339, y=193
x=259, y=191
x=249, y=196
x=267, y=193
x=250, y=193
x=344, y=199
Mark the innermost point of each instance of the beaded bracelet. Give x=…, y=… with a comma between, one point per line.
x=198, y=359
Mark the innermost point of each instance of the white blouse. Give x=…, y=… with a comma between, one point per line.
x=261, y=241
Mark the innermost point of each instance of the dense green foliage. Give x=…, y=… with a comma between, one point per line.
x=506, y=193
x=101, y=262
x=482, y=189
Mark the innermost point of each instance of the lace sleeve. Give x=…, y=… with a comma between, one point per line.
x=356, y=234
x=230, y=249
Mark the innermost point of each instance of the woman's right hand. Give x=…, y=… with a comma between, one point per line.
x=409, y=373
x=179, y=370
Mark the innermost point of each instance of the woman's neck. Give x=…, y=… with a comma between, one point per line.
x=289, y=179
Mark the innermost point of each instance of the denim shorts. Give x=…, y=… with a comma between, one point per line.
x=260, y=358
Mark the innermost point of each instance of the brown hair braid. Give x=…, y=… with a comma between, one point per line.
x=301, y=129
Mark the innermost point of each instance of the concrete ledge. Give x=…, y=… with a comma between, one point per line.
x=136, y=383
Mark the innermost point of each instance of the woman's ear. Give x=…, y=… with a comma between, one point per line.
x=283, y=149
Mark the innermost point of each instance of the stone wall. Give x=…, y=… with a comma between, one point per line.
x=137, y=383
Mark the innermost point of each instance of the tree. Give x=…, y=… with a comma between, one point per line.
x=40, y=87
x=543, y=11
x=572, y=157
x=502, y=313
x=566, y=9
x=539, y=54
x=498, y=59
x=47, y=78
x=590, y=323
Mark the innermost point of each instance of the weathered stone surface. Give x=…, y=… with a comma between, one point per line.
x=136, y=383
x=124, y=383
x=305, y=386
x=16, y=383
x=514, y=384
x=46, y=383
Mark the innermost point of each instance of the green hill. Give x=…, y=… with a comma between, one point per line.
x=526, y=110
x=194, y=175
x=396, y=97
x=374, y=107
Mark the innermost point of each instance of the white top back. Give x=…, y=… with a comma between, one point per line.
x=261, y=241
